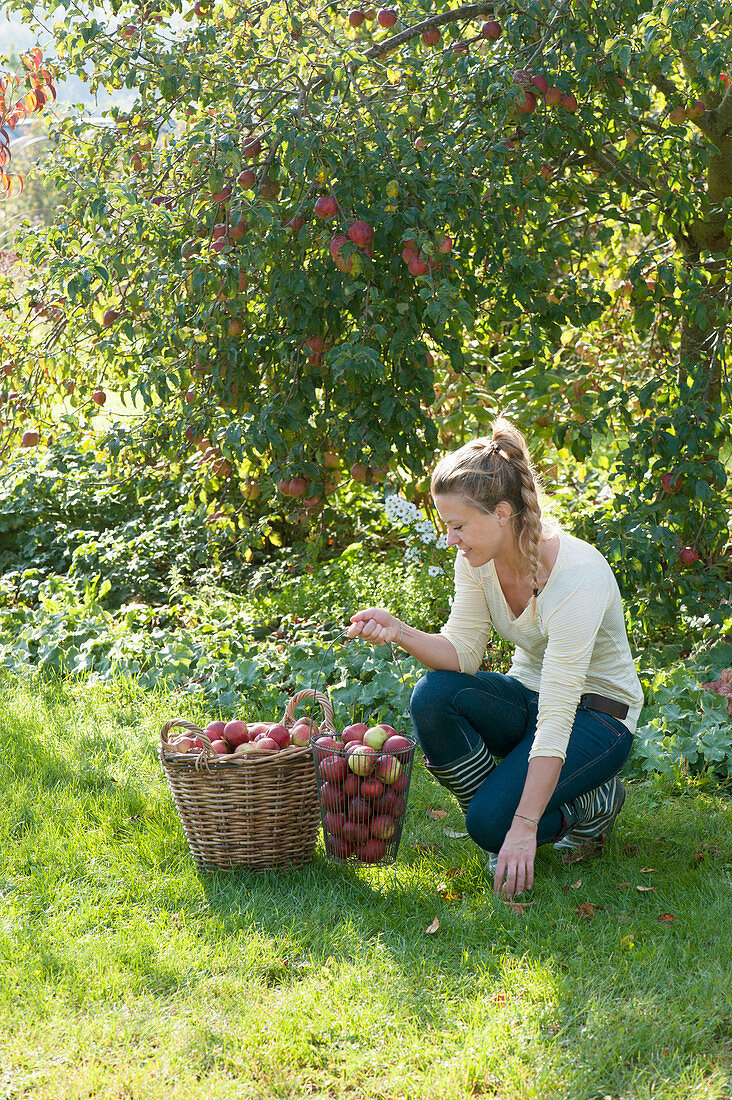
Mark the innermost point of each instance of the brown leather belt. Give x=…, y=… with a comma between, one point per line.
x=604, y=705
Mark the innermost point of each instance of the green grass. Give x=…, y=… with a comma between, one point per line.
x=125, y=973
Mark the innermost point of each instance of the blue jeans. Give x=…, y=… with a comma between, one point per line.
x=453, y=712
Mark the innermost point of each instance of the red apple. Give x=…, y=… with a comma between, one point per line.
x=222, y=195
x=526, y=105
x=388, y=769
x=334, y=823
x=338, y=847
x=361, y=233
x=99, y=397
x=252, y=149
x=391, y=803
x=328, y=742
x=220, y=747
x=354, y=732
x=356, y=17
x=255, y=728
x=281, y=735
x=215, y=729
x=372, y=851
x=265, y=744
x=431, y=36
x=383, y=827
x=386, y=17
x=352, y=785
x=356, y=831
x=237, y=733
x=371, y=788
x=552, y=97
x=688, y=555
x=671, y=485
x=333, y=769
x=491, y=30
x=343, y=264
x=389, y=729
x=417, y=267
x=325, y=207
x=300, y=734
x=540, y=82
x=30, y=439
x=359, y=809
x=332, y=797
x=569, y=102
x=361, y=761
x=397, y=744
x=110, y=316
x=183, y=744
x=247, y=179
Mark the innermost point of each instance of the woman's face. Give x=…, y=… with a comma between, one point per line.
x=479, y=536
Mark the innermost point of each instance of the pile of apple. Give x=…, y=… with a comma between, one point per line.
x=240, y=738
x=363, y=778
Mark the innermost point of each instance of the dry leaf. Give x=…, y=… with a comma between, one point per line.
x=454, y=872
x=586, y=910
x=576, y=885
x=452, y=898
x=437, y=815
x=453, y=834
x=499, y=998
x=647, y=870
x=625, y=885
x=433, y=927
x=645, y=889
x=667, y=918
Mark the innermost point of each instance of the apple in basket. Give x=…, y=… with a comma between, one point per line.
x=220, y=747
x=182, y=744
x=214, y=730
x=375, y=736
x=278, y=733
x=255, y=728
x=388, y=769
x=397, y=745
x=236, y=733
x=354, y=732
x=302, y=731
x=362, y=760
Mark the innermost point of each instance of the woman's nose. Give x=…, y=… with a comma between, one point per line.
x=453, y=538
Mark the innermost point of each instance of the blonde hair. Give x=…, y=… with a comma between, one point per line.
x=487, y=471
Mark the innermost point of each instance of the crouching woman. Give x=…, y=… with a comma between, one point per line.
x=532, y=756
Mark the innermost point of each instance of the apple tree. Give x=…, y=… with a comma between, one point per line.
x=320, y=234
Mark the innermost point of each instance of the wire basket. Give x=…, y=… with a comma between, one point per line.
x=363, y=799
x=242, y=810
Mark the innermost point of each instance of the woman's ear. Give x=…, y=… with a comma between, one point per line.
x=503, y=511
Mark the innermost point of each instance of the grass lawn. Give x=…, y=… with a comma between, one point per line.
x=125, y=973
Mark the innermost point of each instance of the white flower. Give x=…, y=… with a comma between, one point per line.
x=412, y=553
x=441, y=543
x=435, y=570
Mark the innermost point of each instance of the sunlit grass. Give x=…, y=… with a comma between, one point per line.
x=127, y=974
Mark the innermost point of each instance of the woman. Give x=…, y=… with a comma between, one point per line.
x=561, y=721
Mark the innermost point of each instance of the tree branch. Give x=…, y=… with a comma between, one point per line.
x=467, y=11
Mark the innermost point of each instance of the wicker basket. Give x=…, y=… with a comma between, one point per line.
x=246, y=811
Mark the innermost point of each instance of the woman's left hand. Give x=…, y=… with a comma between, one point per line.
x=515, y=870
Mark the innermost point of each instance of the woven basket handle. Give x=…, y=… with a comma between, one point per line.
x=310, y=693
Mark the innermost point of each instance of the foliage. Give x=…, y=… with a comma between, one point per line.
x=686, y=729
x=568, y=262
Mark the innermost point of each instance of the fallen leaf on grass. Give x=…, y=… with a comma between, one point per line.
x=572, y=886
x=437, y=815
x=453, y=834
x=447, y=893
x=499, y=998
x=645, y=889
x=647, y=870
x=433, y=927
x=517, y=906
x=454, y=872
x=586, y=910
x=667, y=918
x=625, y=885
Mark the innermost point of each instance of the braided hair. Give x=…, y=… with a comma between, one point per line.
x=487, y=471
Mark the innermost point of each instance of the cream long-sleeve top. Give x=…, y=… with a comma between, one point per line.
x=574, y=641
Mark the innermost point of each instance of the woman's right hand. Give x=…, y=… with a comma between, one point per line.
x=375, y=625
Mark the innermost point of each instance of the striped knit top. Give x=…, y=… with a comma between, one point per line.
x=575, y=641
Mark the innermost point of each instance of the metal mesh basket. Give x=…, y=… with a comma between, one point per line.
x=363, y=800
